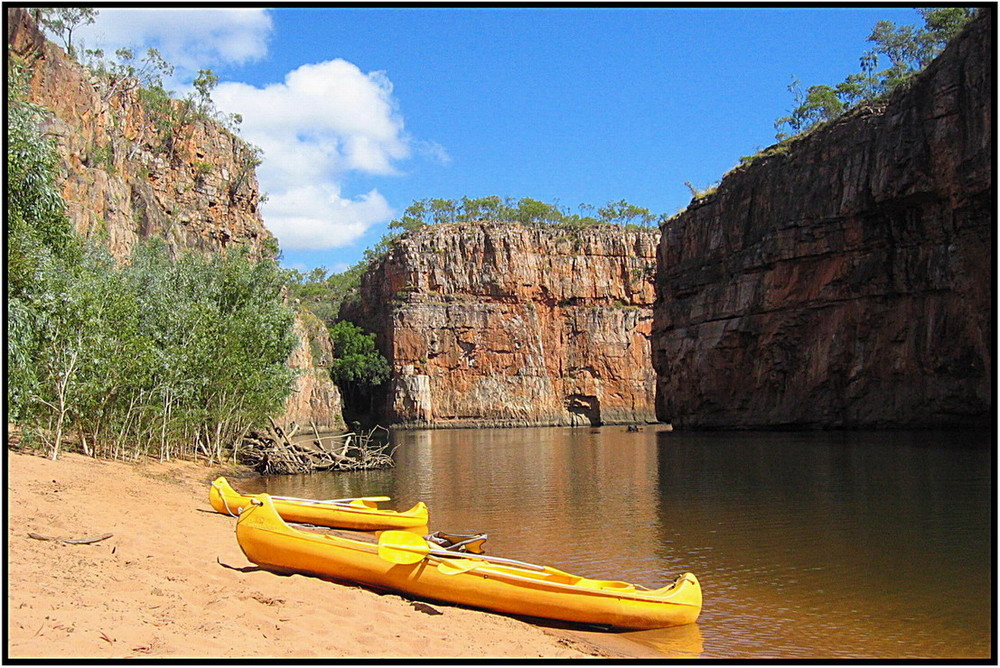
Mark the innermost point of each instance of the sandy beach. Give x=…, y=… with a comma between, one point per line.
x=171, y=582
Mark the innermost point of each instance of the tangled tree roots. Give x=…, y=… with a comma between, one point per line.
x=275, y=453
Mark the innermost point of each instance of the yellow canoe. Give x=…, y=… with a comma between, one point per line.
x=422, y=570
x=358, y=514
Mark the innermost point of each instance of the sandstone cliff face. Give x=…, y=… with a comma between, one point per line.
x=316, y=399
x=500, y=325
x=119, y=183
x=848, y=281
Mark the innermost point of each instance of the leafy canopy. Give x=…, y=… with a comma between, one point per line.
x=358, y=361
x=523, y=211
x=37, y=226
x=897, y=54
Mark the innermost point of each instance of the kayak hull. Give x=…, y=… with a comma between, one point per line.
x=358, y=515
x=547, y=592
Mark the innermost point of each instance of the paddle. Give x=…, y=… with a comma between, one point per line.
x=401, y=547
x=340, y=501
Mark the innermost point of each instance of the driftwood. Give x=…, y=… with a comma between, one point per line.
x=274, y=452
x=74, y=541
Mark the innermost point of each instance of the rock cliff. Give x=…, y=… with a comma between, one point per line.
x=844, y=279
x=499, y=325
x=315, y=399
x=121, y=183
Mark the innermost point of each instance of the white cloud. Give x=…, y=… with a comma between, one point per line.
x=189, y=39
x=432, y=150
x=317, y=217
x=332, y=107
x=324, y=120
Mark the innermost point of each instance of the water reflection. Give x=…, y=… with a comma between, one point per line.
x=679, y=642
x=818, y=545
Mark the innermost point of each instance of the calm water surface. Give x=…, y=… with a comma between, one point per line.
x=807, y=545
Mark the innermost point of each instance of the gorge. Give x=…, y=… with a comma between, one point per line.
x=841, y=279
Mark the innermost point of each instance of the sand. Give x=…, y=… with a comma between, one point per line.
x=171, y=582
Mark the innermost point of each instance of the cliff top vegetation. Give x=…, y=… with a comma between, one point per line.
x=323, y=293
x=898, y=53
x=523, y=211
x=508, y=211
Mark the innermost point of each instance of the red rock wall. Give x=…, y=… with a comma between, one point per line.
x=502, y=325
x=315, y=399
x=848, y=281
x=118, y=182
x=120, y=186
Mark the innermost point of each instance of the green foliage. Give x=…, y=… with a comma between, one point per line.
x=124, y=74
x=900, y=52
x=159, y=355
x=322, y=294
x=623, y=213
x=524, y=211
x=156, y=356
x=204, y=84
x=170, y=116
x=102, y=155
x=699, y=193
x=248, y=158
x=37, y=226
x=62, y=21
x=358, y=361
x=817, y=104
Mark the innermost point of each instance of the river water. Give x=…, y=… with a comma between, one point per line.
x=818, y=545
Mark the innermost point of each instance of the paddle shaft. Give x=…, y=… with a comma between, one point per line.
x=483, y=557
x=340, y=501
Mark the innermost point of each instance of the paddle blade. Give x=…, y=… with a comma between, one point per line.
x=402, y=547
x=456, y=566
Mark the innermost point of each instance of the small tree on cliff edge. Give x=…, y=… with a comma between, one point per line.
x=62, y=21
x=906, y=50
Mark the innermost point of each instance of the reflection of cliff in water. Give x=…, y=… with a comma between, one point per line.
x=807, y=545
x=833, y=544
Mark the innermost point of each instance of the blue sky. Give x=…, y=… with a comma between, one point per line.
x=360, y=111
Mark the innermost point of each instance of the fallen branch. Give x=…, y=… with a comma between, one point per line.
x=272, y=452
x=74, y=541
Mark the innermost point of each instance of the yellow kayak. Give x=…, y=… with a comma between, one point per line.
x=406, y=563
x=361, y=514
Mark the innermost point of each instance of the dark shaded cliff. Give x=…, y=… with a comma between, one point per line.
x=846, y=281
x=502, y=325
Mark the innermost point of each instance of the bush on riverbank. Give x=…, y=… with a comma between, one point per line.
x=155, y=356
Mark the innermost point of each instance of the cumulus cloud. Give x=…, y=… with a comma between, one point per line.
x=189, y=38
x=323, y=121
x=317, y=217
